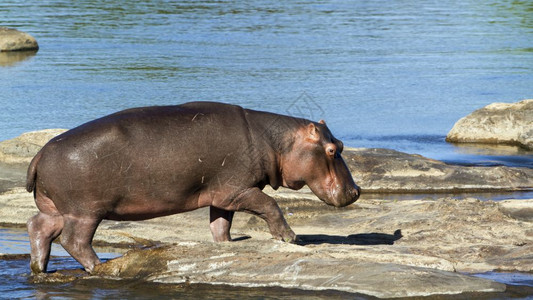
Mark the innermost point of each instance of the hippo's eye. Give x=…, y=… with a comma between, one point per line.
x=331, y=150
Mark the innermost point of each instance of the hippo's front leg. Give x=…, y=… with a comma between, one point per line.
x=220, y=224
x=258, y=203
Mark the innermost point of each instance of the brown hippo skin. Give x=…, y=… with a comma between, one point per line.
x=148, y=162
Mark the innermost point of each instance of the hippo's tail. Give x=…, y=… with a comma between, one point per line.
x=32, y=172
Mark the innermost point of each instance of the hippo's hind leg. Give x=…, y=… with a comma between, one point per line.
x=77, y=237
x=220, y=224
x=42, y=229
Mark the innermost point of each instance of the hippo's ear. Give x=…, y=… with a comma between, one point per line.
x=322, y=122
x=312, y=133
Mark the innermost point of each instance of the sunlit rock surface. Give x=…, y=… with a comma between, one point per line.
x=14, y=40
x=503, y=123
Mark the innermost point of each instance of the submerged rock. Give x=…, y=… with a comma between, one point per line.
x=14, y=40
x=497, y=123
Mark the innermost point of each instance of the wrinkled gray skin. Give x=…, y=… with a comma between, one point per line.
x=148, y=162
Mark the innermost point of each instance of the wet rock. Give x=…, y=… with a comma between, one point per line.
x=416, y=246
x=14, y=40
x=385, y=170
x=499, y=123
x=24, y=147
x=446, y=234
x=270, y=263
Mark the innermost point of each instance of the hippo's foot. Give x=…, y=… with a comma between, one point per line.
x=76, y=238
x=260, y=204
x=287, y=236
x=42, y=229
x=220, y=224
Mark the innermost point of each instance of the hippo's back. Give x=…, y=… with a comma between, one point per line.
x=160, y=152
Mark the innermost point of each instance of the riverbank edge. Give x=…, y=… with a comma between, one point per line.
x=150, y=235
x=133, y=238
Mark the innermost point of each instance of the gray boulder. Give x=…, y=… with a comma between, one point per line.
x=497, y=123
x=14, y=40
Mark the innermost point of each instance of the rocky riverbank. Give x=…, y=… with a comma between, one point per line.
x=373, y=247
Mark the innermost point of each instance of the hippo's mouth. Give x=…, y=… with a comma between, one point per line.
x=325, y=192
x=330, y=192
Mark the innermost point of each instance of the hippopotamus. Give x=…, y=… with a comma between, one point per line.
x=156, y=161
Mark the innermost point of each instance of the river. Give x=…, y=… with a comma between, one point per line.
x=390, y=74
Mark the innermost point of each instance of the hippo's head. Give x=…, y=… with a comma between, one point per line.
x=315, y=159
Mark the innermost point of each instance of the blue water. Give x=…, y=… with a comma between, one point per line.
x=391, y=74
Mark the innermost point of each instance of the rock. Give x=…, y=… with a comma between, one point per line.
x=268, y=264
x=499, y=123
x=445, y=234
x=16, y=206
x=14, y=40
x=23, y=148
x=522, y=210
x=11, y=176
x=417, y=245
x=385, y=170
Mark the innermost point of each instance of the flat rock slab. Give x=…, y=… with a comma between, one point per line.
x=14, y=40
x=374, y=247
x=497, y=123
x=11, y=176
x=446, y=234
x=270, y=263
x=385, y=170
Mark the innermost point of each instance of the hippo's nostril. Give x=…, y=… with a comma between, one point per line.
x=357, y=191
